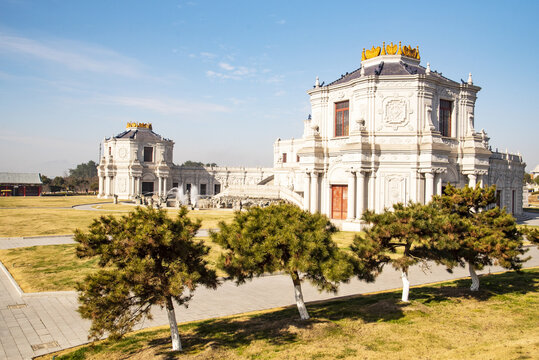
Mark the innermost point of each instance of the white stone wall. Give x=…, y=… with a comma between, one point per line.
x=394, y=151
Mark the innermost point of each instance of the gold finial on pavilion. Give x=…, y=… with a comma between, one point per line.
x=391, y=49
x=374, y=52
x=139, y=125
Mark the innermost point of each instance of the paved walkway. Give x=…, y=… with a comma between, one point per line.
x=38, y=323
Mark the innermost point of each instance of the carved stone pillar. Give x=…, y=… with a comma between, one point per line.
x=307, y=191
x=133, y=186
x=101, y=186
x=159, y=186
x=371, y=194
x=165, y=186
x=429, y=186
x=314, y=192
x=438, y=184
x=351, y=211
x=360, y=194
x=472, y=180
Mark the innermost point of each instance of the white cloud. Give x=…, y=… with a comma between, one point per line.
x=218, y=75
x=281, y=22
x=226, y=66
x=76, y=56
x=275, y=79
x=208, y=55
x=231, y=72
x=163, y=106
x=280, y=93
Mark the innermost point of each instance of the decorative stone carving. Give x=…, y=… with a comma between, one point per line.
x=122, y=153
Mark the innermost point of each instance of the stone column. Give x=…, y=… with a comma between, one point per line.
x=480, y=179
x=360, y=194
x=138, y=190
x=472, y=179
x=314, y=192
x=351, y=211
x=429, y=186
x=371, y=194
x=133, y=186
x=101, y=185
x=438, y=184
x=165, y=186
x=307, y=191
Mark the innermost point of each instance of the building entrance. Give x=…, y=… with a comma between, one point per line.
x=339, y=201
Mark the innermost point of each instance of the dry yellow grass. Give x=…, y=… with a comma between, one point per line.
x=48, y=201
x=34, y=222
x=57, y=268
x=47, y=268
x=31, y=221
x=443, y=321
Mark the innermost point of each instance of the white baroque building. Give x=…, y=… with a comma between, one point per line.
x=138, y=161
x=391, y=131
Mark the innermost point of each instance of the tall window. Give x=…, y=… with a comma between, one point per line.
x=216, y=188
x=445, y=117
x=341, y=118
x=284, y=158
x=202, y=189
x=148, y=154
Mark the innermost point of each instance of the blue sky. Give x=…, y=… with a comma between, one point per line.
x=224, y=79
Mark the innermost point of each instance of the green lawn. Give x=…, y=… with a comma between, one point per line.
x=443, y=321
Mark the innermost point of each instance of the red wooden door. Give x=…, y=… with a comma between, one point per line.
x=339, y=201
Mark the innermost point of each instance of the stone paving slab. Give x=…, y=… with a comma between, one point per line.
x=52, y=317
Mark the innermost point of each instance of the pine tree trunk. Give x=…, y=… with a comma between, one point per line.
x=174, y=333
x=405, y=286
x=303, y=314
x=475, y=278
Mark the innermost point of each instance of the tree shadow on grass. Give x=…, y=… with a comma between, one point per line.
x=508, y=283
x=283, y=327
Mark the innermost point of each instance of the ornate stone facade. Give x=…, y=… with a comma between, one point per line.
x=139, y=161
x=391, y=131
x=408, y=131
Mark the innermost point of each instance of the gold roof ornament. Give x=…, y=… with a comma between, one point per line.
x=374, y=52
x=392, y=49
x=139, y=125
x=409, y=52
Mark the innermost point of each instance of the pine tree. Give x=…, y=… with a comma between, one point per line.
x=532, y=234
x=486, y=234
x=146, y=259
x=396, y=236
x=283, y=237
